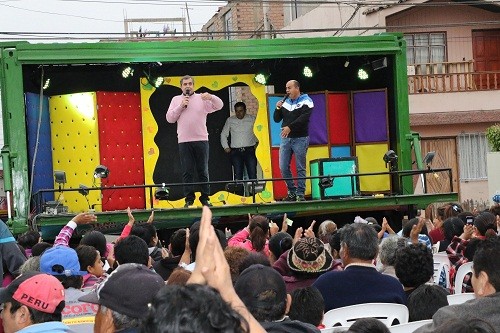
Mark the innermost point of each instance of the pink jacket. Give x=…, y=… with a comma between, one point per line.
x=241, y=239
x=192, y=120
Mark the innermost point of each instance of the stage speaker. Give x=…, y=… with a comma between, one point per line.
x=329, y=170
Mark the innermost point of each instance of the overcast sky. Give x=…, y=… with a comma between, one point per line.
x=92, y=16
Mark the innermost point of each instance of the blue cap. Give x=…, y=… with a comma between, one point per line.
x=60, y=260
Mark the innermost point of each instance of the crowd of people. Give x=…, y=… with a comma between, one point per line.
x=260, y=279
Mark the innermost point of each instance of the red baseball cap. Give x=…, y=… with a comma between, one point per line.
x=36, y=290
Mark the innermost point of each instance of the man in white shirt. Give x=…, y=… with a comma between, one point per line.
x=243, y=142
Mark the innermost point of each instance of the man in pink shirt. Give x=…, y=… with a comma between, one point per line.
x=190, y=111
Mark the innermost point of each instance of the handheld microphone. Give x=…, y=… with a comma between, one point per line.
x=284, y=99
x=187, y=93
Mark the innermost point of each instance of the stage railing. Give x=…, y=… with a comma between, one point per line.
x=254, y=185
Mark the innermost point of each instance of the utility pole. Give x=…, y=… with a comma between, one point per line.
x=265, y=14
x=189, y=21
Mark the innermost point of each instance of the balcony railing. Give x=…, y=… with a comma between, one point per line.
x=451, y=77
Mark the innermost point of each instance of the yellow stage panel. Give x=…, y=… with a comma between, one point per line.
x=75, y=146
x=218, y=82
x=370, y=160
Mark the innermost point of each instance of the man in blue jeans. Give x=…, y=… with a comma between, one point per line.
x=294, y=110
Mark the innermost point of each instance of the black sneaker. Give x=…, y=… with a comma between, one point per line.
x=206, y=203
x=188, y=203
x=290, y=197
x=301, y=198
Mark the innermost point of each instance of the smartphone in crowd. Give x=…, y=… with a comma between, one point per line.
x=469, y=219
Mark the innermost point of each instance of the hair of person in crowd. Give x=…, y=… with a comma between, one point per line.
x=178, y=242
x=38, y=249
x=307, y=306
x=452, y=209
x=389, y=247
x=146, y=232
x=179, y=277
x=425, y=300
x=368, y=325
x=29, y=239
x=486, y=260
x=414, y=265
x=194, y=238
x=335, y=244
x=132, y=249
x=407, y=227
x=458, y=325
x=263, y=292
x=97, y=240
x=279, y=243
x=32, y=264
x=90, y=260
x=254, y=258
x=361, y=240
x=452, y=226
x=326, y=230
x=235, y=256
x=259, y=231
x=192, y=308
x=484, y=222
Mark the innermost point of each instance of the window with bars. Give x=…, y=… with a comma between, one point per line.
x=228, y=25
x=425, y=48
x=472, y=149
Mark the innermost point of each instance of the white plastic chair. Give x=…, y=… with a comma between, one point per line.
x=385, y=312
x=409, y=327
x=460, y=298
x=460, y=275
x=336, y=329
x=441, y=263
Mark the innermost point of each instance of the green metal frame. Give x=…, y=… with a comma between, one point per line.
x=14, y=55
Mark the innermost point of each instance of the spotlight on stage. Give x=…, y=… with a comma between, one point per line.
x=46, y=84
x=127, y=72
x=157, y=81
x=346, y=63
x=162, y=193
x=101, y=171
x=363, y=74
x=261, y=78
x=307, y=72
x=326, y=182
x=254, y=187
x=390, y=158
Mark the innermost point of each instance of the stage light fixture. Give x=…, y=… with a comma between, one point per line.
x=363, y=74
x=60, y=177
x=83, y=190
x=162, y=193
x=157, y=81
x=101, y=171
x=346, y=63
x=390, y=158
x=379, y=63
x=428, y=158
x=255, y=187
x=127, y=72
x=326, y=182
x=260, y=78
x=307, y=72
x=46, y=84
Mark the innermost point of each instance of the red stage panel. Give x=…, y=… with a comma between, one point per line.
x=120, y=147
x=338, y=121
x=279, y=187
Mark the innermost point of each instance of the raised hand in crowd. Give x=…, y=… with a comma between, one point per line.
x=212, y=269
x=84, y=218
x=416, y=229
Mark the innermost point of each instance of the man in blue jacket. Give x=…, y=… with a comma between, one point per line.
x=294, y=110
